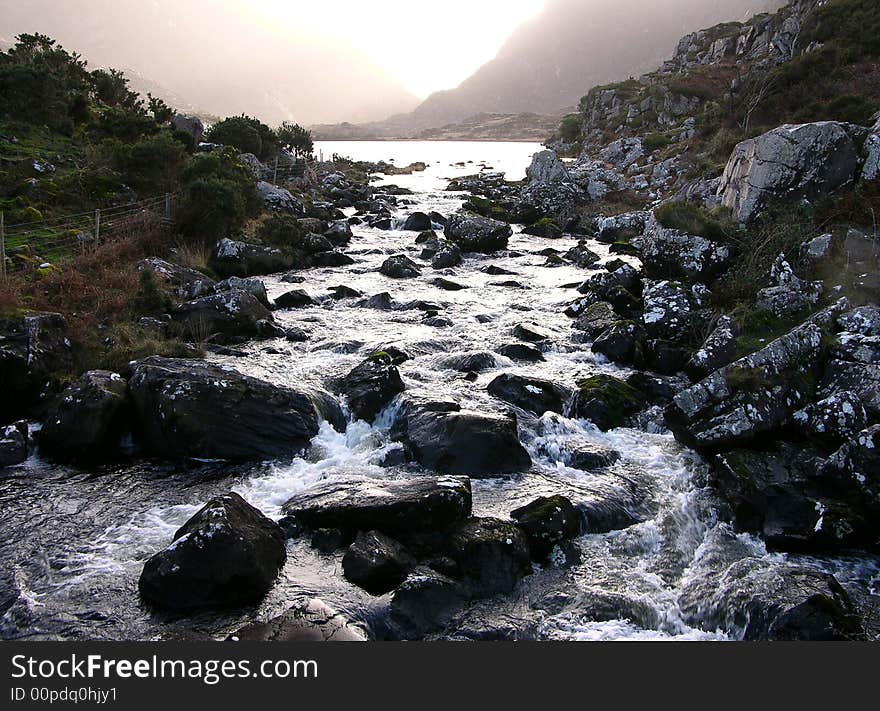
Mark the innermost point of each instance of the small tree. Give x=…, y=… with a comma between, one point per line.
x=296, y=139
x=246, y=134
x=161, y=111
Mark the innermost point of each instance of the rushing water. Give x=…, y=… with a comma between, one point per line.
x=74, y=541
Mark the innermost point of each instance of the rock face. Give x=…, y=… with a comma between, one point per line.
x=492, y=555
x=89, y=420
x=546, y=169
x=32, y=348
x=371, y=386
x=232, y=258
x=854, y=365
x=792, y=161
x=376, y=563
x=391, y=506
x=227, y=555
x=477, y=234
x=671, y=254
x=530, y=394
x=446, y=439
x=229, y=317
x=187, y=283
x=187, y=408
x=751, y=397
x=314, y=621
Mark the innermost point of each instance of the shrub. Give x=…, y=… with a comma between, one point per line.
x=150, y=299
x=282, y=231
x=212, y=209
x=716, y=224
x=570, y=128
x=296, y=139
x=246, y=134
x=155, y=163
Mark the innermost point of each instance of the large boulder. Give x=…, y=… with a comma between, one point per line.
x=751, y=397
x=277, y=199
x=854, y=365
x=546, y=169
x=33, y=348
x=229, y=317
x=227, y=555
x=530, y=394
x=391, y=506
x=233, y=258
x=671, y=254
x=189, y=124
x=792, y=162
x=425, y=602
x=185, y=282
x=671, y=310
x=418, y=222
x=477, y=234
x=444, y=438
x=492, y=555
x=186, y=408
x=89, y=420
x=371, y=386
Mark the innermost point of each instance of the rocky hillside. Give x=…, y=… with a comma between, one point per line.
x=744, y=175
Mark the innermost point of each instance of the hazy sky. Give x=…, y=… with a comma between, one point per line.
x=425, y=45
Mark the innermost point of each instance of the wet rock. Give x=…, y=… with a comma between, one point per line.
x=232, y=258
x=546, y=229
x=836, y=418
x=670, y=310
x=547, y=523
x=493, y=270
x=339, y=234
x=589, y=457
x=418, y=222
x=13, y=444
x=186, y=408
x=425, y=602
x=718, y=350
x=477, y=234
x=606, y=401
x=657, y=391
x=666, y=357
x=294, y=299
x=448, y=285
x=582, y=256
x=313, y=621
x=791, y=162
x=445, y=439
x=344, y=292
x=380, y=302
x=391, y=506
x=601, y=284
x=230, y=317
x=492, y=555
x=470, y=362
x=449, y=255
x=187, y=283
x=89, y=420
x=438, y=321
x=296, y=335
x=521, y=352
x=670, y=254
x=277, y=199
x=227, y=555
x=400, y=267
x=255, y=287
x=530, y=333
x=376, y=563
x=623, y=343
x=330, y=260
x=596, y=319
x=530, y=394
x=751, y=397
x=33, y=347
x=371, y=386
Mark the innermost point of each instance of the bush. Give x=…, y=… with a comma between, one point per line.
x=716, y=224
x=570, y=128
x=155, y=163
x=212, y=209
x=246, y=134
x=296, y=139
x=282, y=231
x=150, y=300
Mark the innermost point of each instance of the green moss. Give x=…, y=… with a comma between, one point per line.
x=487, y=208
x=614, y=393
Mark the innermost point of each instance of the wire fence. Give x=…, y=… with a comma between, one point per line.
x=31, y=246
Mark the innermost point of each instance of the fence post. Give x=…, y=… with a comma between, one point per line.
x=168, y=206
x=2, y=246
x=97, y=227
x=275, y=174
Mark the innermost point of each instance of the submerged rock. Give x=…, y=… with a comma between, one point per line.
x=530, y=394
x=89, y=420
x=186, y=408
x=227, y=555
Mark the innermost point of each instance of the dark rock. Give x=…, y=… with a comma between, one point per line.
x=447, y=285
x=718, y=350
x=400, y=267
x=344, y=292
x=670, y=254
x=371, y=386
x=187, y=408
x=331, y=260
x=391, y=506
x=492, y=555
x=425, y=602
x=313, y=621
x=864, y=320
x=445, y=439
x=623, y=343
x=521, y=352
x=606, y=402
x=582, y=256
x=380, y=302
x=854, y=365
x=296, y=335
x=418, y=222
x=230, y=317
x=89, y=420
x=546, y=229
x=449, y=255
x=470, y=362
x=376, y=563
x=590, y=457
x=547, y=522
x=492, y=270
x=596, y=319
x=295, y=299
x=339, y=234
x=530, y=394
x=231, y=258
x=227, y=555
x=837, y=418
x=477, y=234
x=855, y=468
x=255, y=287
x=13, y=444
x=670, y=310
x=666, y=357
x=187, y=283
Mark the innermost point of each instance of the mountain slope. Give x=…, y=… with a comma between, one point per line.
x=575, y=44
x=216, y=56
